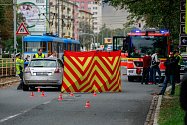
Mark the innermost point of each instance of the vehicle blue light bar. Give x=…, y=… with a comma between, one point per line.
x=135, y=31
x=164, y=31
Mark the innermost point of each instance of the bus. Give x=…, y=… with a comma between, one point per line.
x=49, y=43
x=136, y=44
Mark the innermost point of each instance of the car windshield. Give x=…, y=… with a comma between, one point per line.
x=143, y=44
x=43, y=63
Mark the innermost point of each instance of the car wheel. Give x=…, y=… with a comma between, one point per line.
x=130, y=78
x=32, y=87
x=25, y=87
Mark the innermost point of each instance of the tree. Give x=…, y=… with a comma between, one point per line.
x=156, y=13
x=85, y=36
x=6, y=19
x=106, y=32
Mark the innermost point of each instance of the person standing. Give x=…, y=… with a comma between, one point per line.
x=19, y=70
x=179, y=60
x=54, y=55
x=183, y=96
x=39, y=54
x=146, y=68
x=155, y=68
x=170, y=65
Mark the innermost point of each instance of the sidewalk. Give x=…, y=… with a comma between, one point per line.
x=8, y=80
x=154, y=110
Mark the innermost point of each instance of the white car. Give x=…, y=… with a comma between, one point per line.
x=43, y=72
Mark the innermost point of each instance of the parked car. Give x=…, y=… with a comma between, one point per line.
x=43, y=72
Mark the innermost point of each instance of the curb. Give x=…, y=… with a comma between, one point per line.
x=156, y=115
x=157, y=111
x=150, y=115
x=8, y=83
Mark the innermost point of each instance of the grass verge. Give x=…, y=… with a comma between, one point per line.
x=170, y=111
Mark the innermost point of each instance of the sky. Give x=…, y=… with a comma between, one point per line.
x=114, y=18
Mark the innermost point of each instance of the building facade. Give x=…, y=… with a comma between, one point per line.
x=85, y=21
x=95, y=8
x=63, y=19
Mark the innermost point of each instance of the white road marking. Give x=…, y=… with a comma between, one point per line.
x=46, y=102
x=7, y=118
x=12, y=116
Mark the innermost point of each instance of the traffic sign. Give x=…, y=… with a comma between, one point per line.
x=182, y=29
x=183, y=4
x=182, y=17
x=183, y=40
x=22, y=30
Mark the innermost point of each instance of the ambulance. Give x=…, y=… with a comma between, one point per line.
x=136, y=44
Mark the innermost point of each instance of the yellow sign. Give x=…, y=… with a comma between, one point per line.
x=108, y=40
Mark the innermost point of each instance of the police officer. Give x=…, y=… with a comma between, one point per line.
x=19, y=70
x=39, y=54
x=178, y=58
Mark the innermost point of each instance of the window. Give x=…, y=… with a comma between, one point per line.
x=65, y=46
x=78, y=3
x=34, y=46
x=43, y=63
x=94, y=8
x=95, y=13
x=60, y=47
x=55, y=46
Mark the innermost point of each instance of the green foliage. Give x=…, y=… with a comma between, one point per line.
x=156, y=13
x=8, y=45
x=170, y=112
x=85, y=36
x=5, y=55
x=106, y=32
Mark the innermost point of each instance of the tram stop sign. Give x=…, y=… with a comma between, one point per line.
x=22, y=30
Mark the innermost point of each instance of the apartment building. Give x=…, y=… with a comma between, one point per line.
x=85, y=21
x=95, y=8
x=63, y=18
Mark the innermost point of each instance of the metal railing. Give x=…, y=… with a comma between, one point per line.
x=7, y=67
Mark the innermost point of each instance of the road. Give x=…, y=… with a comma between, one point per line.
x=129, y=107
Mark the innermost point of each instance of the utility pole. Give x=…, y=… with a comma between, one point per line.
x=14, y=11
x=58, y=17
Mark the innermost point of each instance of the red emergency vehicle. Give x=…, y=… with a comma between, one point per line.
x=136, y=44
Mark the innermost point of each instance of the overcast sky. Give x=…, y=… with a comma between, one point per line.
x=114, y=18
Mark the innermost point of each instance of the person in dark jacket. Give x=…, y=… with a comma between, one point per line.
x=146, y=68
x=170, y=65
x=179, y=60
x=183, y=96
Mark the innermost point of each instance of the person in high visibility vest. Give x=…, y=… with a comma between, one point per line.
x=39, y=54
x=19, y=70
x=178, y=58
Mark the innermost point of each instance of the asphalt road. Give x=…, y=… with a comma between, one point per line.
x=129, y=107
